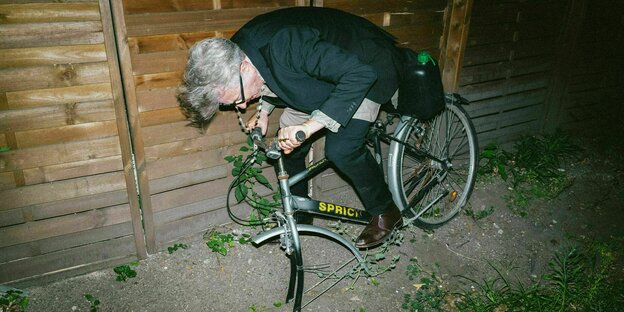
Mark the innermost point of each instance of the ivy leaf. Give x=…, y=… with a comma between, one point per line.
x=241, y=192
x=229, y=158
x=244, y=149
x=249, y=140
x=262, y=179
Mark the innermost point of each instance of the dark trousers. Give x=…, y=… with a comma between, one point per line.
x=347, y=151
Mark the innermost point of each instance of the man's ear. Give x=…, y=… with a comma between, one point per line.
x=246, y=65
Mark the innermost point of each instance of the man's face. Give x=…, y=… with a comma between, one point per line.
x=249, y=89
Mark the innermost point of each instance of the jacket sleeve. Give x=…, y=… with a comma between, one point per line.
x=300, y=49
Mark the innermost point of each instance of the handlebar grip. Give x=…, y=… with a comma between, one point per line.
x=300, y=136
x=256, y=134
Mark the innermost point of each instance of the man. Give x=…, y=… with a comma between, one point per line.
x=331, y=69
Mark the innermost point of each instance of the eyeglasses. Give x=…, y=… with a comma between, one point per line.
x=242, y=94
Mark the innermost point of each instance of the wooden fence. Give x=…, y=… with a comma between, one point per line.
x=68, y=202
x=89, y=120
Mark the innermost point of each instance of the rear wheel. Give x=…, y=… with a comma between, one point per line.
x=435, y=165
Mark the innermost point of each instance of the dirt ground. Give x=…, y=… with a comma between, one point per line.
x=255, y=279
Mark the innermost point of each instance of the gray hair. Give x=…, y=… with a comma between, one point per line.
x=213, y=64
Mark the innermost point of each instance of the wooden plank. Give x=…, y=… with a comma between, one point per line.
x=62, y=260
x=503, y=70
x=52, y=55
x=49, y=12
x=72, y=170
x=130, y=134
x=153, y=6
x=190, y=21
x=3, y=140
x=43, y=193
x=185, y=179
x=74, y=205
x=56, y=116
x=161, y=116
x=41, y=30
x=52, y=76
x=187, y=195
x=59, y=154
x=80, y=132
x=454, y=43
x=184, y=147
x=158, y=62
x=52, y=39
x=41, y=97
x=158, y=80
x=371, y=6
x=495, y=105
x=238, y=4
x=73, y=223
x=149, y=100
x=52, y=244
x=169, y=42
x=189, y=162
x=172, y=231
x=7, y=180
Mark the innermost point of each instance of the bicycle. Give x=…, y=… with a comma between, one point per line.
x=431, y=174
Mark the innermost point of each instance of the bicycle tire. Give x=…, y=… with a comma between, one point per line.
x=429, y=191
x=327, y=258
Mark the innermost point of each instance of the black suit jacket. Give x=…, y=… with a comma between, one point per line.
x=321, y=58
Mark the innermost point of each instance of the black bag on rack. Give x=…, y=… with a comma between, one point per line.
x=420, y=90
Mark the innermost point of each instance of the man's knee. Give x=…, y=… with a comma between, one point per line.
x=344, y=155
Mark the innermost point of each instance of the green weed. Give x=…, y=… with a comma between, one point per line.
x=175, y=247
x=429, y=295
x=13, y=300
x=533, y=170
x=125, y=271
x=94, y=303
x=219, y=242
x=481, y=214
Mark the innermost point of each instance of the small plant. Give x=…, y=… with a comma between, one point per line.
x=13, y=300
x=175, y=247
x=94, y=302
x=481, y=214
x=429, y=295
x=125, y=271
x=576, y=281
x=4, y=149
x=247, y=171
x=219, y=242
x=534, y=170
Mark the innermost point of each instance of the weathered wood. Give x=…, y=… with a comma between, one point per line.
x=73, y=205
x=188, y=178
x=371, y=6
x=161, y=116
x=170, y=61
x=59, y=190
x=49, y=12
x=454, y=43
x=7, y=180
x=73, y=223
x=52, y=55
x=183, y=147
x=503, y=70
x=158, y=80
x=65, y=95
x=72, y=170
x=59, y=153
x=52, y=244
x=169, y=42
x=85, y=131
x=56, y=116
x=149, y=100
x=190, y=21
x=54, y=39
x=110, y=249
x=189, y=162
x=52, y=76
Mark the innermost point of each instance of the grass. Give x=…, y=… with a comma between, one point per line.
x=535, y=168
x=579, y=279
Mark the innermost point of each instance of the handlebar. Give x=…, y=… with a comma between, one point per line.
x=272, y=149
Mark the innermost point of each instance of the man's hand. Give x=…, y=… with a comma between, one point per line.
x=287, y=137
x=262, y=122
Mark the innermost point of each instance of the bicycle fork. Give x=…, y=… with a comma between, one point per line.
x=293, y=249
